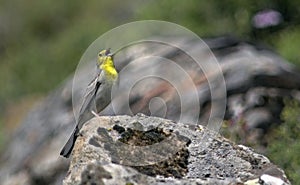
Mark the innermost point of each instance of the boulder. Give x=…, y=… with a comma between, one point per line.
x=152, y=150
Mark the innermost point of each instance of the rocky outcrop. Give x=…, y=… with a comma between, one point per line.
x=151, y=150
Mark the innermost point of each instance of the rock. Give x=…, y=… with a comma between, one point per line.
x=151, y=150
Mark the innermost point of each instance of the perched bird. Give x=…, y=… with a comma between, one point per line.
x=97, y=96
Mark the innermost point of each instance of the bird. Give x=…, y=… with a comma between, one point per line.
x=97, y=96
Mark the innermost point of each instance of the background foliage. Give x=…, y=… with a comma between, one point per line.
x=41, y=42
x=284, y=142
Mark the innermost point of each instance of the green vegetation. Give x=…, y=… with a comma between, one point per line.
x=42, y=41
x=284, y=143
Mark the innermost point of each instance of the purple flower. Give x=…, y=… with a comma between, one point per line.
x=266, y=18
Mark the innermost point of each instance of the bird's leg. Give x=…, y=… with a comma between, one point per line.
x=95, y=114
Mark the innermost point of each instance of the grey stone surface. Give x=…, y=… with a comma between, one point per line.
x=151, y=150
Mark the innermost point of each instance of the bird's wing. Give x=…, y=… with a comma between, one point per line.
x=89, y=103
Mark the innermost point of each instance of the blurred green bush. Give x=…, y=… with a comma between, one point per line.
x=284, y=142
x=42, y=41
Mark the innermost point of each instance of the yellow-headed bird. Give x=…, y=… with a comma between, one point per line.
x=97, y=96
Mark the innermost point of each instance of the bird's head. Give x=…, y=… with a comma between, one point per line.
x=104, y=56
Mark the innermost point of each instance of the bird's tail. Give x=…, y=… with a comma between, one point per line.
x=67, y=149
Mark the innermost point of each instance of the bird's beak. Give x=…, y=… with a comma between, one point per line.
x=107, y=52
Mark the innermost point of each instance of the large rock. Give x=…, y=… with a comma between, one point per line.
x=151, y=150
